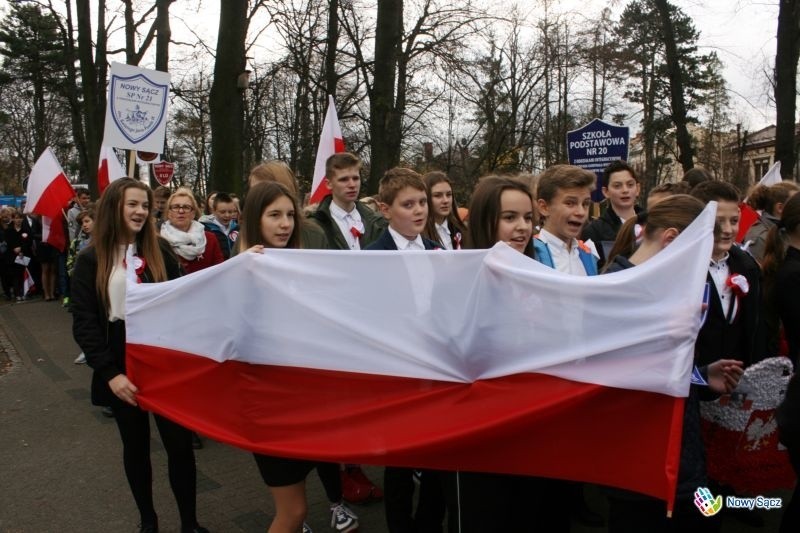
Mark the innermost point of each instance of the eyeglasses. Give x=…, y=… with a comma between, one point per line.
x=181, y=208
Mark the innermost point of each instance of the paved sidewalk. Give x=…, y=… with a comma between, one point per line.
x=60, y=459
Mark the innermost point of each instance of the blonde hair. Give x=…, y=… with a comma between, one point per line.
x=185, y=191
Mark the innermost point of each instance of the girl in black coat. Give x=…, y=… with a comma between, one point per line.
x=630, y=512
x=98, y=309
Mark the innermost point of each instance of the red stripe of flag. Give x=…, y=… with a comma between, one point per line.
x=530, y=424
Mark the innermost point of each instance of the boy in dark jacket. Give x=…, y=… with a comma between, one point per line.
x=620, y=188
x=348, y=224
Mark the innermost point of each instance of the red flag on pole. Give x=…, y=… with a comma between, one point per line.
x=49, y=194
x=27, y=282
x=330, y=142
x=109, y=168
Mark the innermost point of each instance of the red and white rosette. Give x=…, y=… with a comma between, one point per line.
x=738, y=284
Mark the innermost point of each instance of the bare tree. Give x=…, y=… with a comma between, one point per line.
x=786, y=58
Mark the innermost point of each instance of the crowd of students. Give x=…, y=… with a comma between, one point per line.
x=753, y=306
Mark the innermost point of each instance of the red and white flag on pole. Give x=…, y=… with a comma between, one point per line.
x=421, y=378
x=772, y=176
x=109, y=168
x=49, y=194
x=330, y=142
x=27, y=282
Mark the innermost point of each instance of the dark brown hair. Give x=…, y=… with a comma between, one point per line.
x=695, y=176
x=110, y=231
x=775, y=250
x=260, y=196
x=715, y=191
x=670, y=188
x=617, y=166
x=484, y=210
x=453, y=222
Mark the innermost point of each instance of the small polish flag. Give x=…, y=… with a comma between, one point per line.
x=49, y=194
x=330, y=142
x=27, y=283
x=772, y=176
x=109, y=169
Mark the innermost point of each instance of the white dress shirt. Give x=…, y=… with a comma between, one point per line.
x=445, y=238
x=345, y=221
x=404, y=244
x=720, y=272
x=565, y=258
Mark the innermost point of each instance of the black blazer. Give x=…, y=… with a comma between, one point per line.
x=744, y=339
x=386, y=242
x=103, y=342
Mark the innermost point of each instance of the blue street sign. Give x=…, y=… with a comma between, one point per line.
x=595, y=145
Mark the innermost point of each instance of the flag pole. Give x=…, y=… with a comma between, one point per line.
x=131, y=162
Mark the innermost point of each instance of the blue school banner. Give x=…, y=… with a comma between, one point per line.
x=595, y=145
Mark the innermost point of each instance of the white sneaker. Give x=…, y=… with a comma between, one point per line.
x=342, y=518
x=81, y=359
x=306, y=528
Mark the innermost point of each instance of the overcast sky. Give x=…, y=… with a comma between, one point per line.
x=741, y=31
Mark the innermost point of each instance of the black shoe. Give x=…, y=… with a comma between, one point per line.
x=195, y=529
x=148, y=528
x=109, y=412
x=197, y=444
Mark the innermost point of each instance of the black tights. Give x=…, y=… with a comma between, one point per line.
x=134, y=428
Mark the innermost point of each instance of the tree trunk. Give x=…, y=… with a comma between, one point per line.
x=225, y=100
x=675, y=72
x=388, y=36
x=163, y=34
x=92, y=73
x=785, y=84
x=331, y=79
x=71, y=92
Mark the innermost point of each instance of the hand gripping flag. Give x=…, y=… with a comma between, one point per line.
x=330, y=142
x=109, y=168
x=49, y=194
x=478, y=360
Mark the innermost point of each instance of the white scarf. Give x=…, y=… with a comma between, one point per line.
x=188, y=244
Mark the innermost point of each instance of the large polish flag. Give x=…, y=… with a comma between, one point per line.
x=331, y=142
x=49, y=194
x=478, y=360
x=109, y=168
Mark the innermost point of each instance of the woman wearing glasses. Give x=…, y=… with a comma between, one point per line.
x=195, y=247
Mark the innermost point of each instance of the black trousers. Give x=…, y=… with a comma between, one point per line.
x=398, y=497
x=134, y=428
x=331, y=478
x=479, y=502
